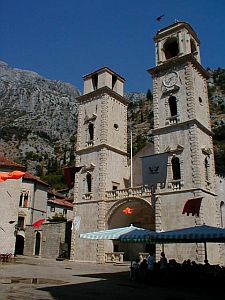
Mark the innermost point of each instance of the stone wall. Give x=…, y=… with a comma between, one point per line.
x=52, y=234
x=10, y=194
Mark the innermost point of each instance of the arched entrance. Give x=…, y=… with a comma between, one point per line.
x=19, y=246
x=37, y=243
x=142, y=216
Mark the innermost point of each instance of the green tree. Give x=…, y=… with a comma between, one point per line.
x=149, y=94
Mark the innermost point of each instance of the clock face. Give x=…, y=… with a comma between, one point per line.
x=170, y=79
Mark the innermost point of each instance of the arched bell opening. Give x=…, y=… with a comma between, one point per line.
x=171, y=48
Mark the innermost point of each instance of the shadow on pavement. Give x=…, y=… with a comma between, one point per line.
x=108, y=286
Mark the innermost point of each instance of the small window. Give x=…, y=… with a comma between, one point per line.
x=193, y=46
x=206, y=163
x=222, y=214
x=91, y=131
x=20, y=222
x=116, y=126
x=114, y=79
x=173, y=106
x=89, y=183
x=52, y=209
x=25, y=202
x=64, y=212
x=21, y=200
x=200, y=100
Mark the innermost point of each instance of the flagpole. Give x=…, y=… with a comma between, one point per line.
x=131, y=159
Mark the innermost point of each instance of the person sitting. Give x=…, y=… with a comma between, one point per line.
x=135, y=269
x=143, y=268
x=163, y=261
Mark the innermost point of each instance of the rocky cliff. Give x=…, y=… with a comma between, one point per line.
x=37, y=117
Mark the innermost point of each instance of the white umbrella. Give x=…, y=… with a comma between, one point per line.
x=121, y=234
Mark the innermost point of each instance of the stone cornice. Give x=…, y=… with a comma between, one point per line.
x=182, y=124
x=99, y=92
x=168, y=192
x=173, y=29
x=99, y=147
x=101, y=70
x=176, y=61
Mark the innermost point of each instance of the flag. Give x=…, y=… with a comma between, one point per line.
x=128, y=211
x=38, y=224
x=76, y=223
x=69, y=173
x=11, y=175
x=192, y=206
x=154, y=168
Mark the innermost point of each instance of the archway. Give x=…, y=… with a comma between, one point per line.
x=37, y=243
x=19, y=246
x=142, y=216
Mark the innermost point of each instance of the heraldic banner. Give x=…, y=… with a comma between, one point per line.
x=154, y=169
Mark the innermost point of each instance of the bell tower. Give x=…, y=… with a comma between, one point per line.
x=101, y=151
x=182, y=129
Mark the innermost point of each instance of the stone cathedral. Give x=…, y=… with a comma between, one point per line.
x=181, y=129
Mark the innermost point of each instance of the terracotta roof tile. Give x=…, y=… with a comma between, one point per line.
x=33, y=178
x=58, y=195
x=4, y=162
x=63, y=203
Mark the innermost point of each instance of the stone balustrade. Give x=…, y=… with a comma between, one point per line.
x=175, y=184
x=87, y=196
x=141, y=191
x=114, y=256
x=143, y=255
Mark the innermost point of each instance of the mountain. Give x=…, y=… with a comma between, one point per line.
x=37, y=119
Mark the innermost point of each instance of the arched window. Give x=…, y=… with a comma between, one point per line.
x=176, y=168
x=206, y=164
x=89, y=182
x=173, y=106
x=171, y=48
x=91, y=131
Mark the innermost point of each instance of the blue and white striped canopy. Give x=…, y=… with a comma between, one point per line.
x=113, y=234
x=196, y=234
x=139, y=235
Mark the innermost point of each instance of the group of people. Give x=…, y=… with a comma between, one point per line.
x=144, y=269
x=163, y=271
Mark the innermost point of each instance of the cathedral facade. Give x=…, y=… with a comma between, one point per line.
x=182, y=130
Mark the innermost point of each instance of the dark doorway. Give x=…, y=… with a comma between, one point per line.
x=68, y=237
x=19, y=247
x=37, y=243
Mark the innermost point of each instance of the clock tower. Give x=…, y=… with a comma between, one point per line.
x=182, y=129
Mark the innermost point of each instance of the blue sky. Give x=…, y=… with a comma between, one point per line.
x=64, y=40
